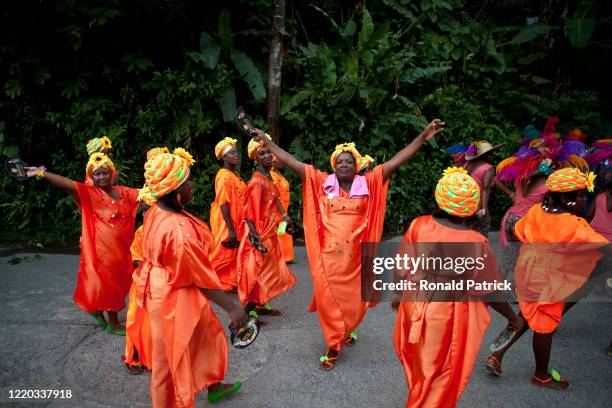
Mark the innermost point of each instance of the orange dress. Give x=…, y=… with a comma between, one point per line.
x=544, y=272
x=262, y=277
x=105, y=266
x=284, y=191
x=334, y=229
x=438, y=342
x=230, y=189
x=138, y=329
x=189, y=346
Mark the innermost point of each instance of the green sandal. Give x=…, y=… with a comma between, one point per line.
x=100, y=321
x=214, y=397
x=116, y=330
x=555, y=381
x=351, y=339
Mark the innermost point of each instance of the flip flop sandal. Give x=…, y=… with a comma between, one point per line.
x=254, y=315
x=244, y=122
x=16, y=169
x=554, y=382
x=294, y=262
x=327, y=363
x=101, y=322
x=267, y=310
x=116, y=330
x=504, y=338
x=494, y=366
x=257, y=244
x=351, y=339
x=214, y=397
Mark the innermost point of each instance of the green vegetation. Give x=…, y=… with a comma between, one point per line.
x=148, y=73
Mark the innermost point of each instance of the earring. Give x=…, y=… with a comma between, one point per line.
x=571, y=203
x=178, y=198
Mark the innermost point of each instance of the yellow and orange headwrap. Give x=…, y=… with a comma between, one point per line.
x=345, y=147
x=254, y=147
x=457, y=192
x=224, y=146
x=165, y=173
x=570, y=179
x=97, y=144
x=155, y=151
x=98, y=160
x=365, y=161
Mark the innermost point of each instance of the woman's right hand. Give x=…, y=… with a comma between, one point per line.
x=32, y=171
x=238, y=317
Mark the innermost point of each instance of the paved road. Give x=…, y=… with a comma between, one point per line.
x=47, y=343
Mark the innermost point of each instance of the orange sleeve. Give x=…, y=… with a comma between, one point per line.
x=136, y=247
x=186, y=259
x=254, y=198
x=223, y=189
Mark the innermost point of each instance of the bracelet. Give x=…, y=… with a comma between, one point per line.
x=40, y=174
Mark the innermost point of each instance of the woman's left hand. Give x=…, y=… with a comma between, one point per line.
x=433, y=128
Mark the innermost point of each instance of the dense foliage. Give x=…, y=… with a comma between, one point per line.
x=150, y=73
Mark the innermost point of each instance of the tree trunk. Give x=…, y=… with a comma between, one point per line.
x=275, y=68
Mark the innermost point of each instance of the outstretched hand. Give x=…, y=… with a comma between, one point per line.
x=433, y=128
x=31, y=171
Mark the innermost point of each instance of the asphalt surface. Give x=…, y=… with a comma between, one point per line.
x=47, y=343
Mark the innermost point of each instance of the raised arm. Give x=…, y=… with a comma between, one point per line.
x=401, y=157
x=55, y=179
x=503, y=188
x=284, y=157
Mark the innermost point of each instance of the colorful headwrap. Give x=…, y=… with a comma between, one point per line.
x=365, y=161
x=97, y=144
x=165, y=173
x=155, y=151
x=98, y=160
x=254, y=147
x=601, y=150
x=570, y=179
x=457, y=192
x=224, y=146
x=342, y=148
x=462, y=153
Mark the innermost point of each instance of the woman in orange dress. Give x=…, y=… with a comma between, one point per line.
x=282, y=184
x=137, y=355
x=99, y=145
x=262, y=275
x=437, y=342
x=175, y=286
x=108, y=214
x=542, y=272
x=341, y=210
x=226, y=213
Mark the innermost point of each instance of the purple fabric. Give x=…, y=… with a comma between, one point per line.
x=359, y=188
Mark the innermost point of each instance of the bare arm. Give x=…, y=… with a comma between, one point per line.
x=55, y=179
x=503, y=188
x=284, y=157
x=401, y=157
x=231, y=232
x=252, y=229
x=591, y=212
x=486, y=188
x=229, y=303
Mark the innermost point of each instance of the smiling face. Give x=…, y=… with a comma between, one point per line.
x=232, y=157
x=102, y=178
x=345, y=167
x=264, y=157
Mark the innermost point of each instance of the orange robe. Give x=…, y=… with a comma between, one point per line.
x=262, y=277
x=105, y=267
x=189, y=350
x=438, y=342
x=284, y=191
x=230, y=190
x=138, y=329
x=334, y=229
x=544, y=272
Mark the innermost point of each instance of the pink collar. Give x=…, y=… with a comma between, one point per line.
x=359, y=188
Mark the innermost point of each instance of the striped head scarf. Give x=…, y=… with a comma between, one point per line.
x=165, y=173
x=155, y=151
x=457, y=193
x=570, y=179
x=98, y=144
